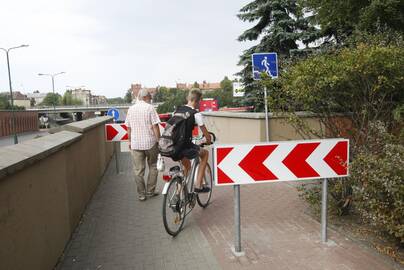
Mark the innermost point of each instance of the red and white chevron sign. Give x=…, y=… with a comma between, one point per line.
x=281, y=161
x=119, y=132
x=116, y=132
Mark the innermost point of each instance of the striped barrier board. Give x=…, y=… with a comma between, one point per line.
x=239, y=164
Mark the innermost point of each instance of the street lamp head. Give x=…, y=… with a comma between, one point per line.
x=56, y=74
x=12, y=48
x=40, y=74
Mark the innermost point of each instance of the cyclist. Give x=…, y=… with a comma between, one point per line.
x=190, y=150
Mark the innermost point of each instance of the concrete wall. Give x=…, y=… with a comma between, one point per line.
x=25, y=121
x=45, y=185
x=232, y=127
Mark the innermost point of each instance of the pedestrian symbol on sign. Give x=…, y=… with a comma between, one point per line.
x=265, y=62
x=266, y=65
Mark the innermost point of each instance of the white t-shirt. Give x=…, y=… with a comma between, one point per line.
x=198, y=118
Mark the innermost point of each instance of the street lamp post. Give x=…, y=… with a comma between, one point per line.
x=14, y=129
x=53, y=86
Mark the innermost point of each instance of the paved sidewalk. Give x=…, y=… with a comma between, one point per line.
x=120, y=232
x=277, y=234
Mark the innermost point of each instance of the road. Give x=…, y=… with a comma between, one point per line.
x=9, y=140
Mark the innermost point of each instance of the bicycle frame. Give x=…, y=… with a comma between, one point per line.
x=191, y=175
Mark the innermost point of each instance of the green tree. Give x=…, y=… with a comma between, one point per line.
x=226, y=84
x=52, y=99
x=339, y=19
x=224, y=95
x=369, y=76
x=4, y=104
x=161, y=95
x=279, y=26
x=128, y=96
x=175, y=97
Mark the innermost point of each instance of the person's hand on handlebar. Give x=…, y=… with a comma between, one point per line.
x=206, y=135
x=204, y=144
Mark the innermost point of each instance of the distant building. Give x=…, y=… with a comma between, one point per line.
x=209, y=86
x=204, y=86
x=98, y=100
x=19, y=99
x=37, y=96
x=87, y=98
x=83, y=95
x=135, y=88
x=182, y=86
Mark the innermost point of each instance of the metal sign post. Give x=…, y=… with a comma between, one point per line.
x=266, y=115
x=116, y=150
x=237, y=223
x=324, y=211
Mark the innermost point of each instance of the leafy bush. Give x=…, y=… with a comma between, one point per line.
x=366, y=82
x=356, y=92
x=378, y=182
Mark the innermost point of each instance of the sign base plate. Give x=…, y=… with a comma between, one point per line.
x=237, y=254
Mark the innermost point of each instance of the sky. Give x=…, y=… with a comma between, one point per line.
x=108, y=45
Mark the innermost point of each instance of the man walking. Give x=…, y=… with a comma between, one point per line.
x=143, y=132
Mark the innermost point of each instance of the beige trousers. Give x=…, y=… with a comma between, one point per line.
x=139, y=165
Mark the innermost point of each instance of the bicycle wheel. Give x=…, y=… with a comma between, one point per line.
x=204, y=198
x=174, y=207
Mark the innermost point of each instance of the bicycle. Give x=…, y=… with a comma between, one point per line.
x=178, y=194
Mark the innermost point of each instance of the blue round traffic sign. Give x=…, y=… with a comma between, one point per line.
x=114, y=113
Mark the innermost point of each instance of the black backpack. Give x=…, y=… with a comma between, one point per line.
x=174, y=137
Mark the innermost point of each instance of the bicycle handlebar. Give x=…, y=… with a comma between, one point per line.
x=213, y=140
x=213, y=136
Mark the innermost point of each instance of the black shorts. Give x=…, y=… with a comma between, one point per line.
x=191, y=151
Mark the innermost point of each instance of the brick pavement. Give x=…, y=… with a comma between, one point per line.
x=119, y=232
x=277, y=233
